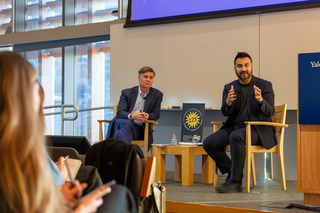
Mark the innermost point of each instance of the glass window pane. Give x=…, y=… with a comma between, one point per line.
x=92, y=87
x=48, y=64
x=83, y=90
x=5, y=15
x=105, y=11
x=43, y=14
x=82, y=16
x=32, y=15
x=92, y=11
x=51, y=14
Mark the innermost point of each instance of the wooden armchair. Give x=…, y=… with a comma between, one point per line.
x=142, y=143
x=115, y=109
x=278, y=122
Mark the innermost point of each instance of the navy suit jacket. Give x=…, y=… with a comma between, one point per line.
x=127, y=101
x=256, y=111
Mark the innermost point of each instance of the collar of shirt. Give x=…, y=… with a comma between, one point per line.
x=141, y=94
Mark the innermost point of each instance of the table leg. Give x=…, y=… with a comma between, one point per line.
x=187, y=167
x=177, y=167
x=160, y=165
x=207, y=169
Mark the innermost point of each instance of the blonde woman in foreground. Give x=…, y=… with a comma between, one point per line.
x=26, y=183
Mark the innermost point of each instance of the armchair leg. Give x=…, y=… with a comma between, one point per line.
x=248, y=175
x=253, y=170
x=100, y=132
x=215, y=175
x=248, y=156
x=145, y=152
x=283, y=177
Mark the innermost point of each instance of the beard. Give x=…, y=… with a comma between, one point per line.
x=249, y=75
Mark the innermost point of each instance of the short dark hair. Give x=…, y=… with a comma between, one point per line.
x=146, y=69
x=242, y=55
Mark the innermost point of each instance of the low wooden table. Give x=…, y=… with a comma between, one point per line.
x=183, y=163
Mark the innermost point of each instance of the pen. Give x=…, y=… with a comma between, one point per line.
x=65, y=158
x=141, y=112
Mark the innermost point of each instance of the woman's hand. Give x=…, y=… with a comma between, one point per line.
x=72, y=193
x=89, y=203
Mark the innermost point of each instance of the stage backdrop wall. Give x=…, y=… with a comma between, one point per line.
x=193, y=60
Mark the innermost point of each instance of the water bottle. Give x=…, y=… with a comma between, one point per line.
x=195, y=140
x=174, y=140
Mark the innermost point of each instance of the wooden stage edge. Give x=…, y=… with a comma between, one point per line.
x=184, y=207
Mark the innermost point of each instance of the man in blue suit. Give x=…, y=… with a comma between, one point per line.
x=247, y=99
x=136, y=105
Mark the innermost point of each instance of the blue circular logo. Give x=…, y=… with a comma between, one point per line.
x=192, y=119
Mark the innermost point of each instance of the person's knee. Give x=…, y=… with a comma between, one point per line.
x=236, y=139
x=209, y=143
x=116, y=134
x=126, y=125
x=206, y=143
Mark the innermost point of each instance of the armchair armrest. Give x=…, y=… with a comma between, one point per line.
x=148, y=121
x=104, y=121
x=217, y=122
x=215, y=125
x=266, y=123
x=152, y=122
x=277, y=126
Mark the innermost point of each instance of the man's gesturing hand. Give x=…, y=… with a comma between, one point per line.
x=231, y=96
x=257, y=94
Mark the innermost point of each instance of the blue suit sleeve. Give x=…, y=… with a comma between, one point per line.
x=123, y=106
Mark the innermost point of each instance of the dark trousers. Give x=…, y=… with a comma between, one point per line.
x=126, y=130
x=236, y=138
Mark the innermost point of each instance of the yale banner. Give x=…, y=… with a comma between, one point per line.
x=309, y=88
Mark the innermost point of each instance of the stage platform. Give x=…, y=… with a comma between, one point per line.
x=267, y=196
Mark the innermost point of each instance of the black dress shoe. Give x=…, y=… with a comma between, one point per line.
x=225, y=183
x=227, y=180
x=230, y=187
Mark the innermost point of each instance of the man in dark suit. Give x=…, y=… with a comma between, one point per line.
x=136, y=105
x=247, y=99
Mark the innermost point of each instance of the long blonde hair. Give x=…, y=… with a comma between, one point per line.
x=26, y=183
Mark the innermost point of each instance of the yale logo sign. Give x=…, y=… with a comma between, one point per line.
x=315, y=64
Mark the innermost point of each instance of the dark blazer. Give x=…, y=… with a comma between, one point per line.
x=127, y=101
x=256, y=111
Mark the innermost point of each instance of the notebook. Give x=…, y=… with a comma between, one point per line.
x=189, y=143
x=74, y=166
